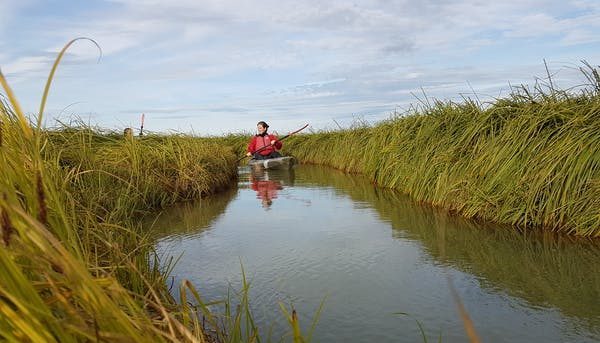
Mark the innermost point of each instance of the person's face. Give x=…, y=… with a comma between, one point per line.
x=260, y=129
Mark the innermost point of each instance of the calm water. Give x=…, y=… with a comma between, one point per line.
x=317, y=234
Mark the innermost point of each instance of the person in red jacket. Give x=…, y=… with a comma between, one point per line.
x=265, y=141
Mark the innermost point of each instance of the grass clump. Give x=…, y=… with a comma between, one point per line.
x=531, y=159
x=73, y=265
x=123, y=177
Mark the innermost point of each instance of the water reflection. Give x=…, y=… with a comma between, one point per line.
x=190, y=217
x=545, y=269
x=267, y=183
x=377, y=252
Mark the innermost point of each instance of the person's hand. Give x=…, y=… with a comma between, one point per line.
x=273, y=142
x=248, y=154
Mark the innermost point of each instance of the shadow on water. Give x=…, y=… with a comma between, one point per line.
x=542, y=268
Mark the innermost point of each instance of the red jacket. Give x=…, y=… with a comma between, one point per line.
x=258, y=142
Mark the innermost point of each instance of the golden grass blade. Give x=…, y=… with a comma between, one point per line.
x=53, y=70
x=464, y=315
x=16, y=107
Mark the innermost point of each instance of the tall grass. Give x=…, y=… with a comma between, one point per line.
x=74, y=266
x=53, y=285
x=531, y=159
x=127, y=176
x=112, y=181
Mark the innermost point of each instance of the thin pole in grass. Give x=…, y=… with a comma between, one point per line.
x=142, y=126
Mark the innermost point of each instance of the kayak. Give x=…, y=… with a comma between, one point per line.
x=285, y=162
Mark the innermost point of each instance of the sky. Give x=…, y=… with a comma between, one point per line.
x=215, y=67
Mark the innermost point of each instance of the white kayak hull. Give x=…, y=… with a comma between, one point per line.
x=285, y=162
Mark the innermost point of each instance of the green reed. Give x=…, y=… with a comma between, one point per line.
x=75, y=263
x=75, y=266
x=531, y=159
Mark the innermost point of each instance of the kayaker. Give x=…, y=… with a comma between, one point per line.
x=265, y=141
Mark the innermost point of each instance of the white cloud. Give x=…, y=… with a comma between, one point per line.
x=27, y=65
x=205, y=55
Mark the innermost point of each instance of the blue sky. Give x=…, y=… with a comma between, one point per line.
x=213, y=67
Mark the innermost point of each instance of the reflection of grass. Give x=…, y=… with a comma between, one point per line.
x=543, y=268
x=531, y=159
x=539, y=267
x=189, y=217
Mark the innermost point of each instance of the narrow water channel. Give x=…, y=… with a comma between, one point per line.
x=317, y=234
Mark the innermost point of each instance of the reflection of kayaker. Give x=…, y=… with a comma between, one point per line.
x=266, y=190
x=263, y=145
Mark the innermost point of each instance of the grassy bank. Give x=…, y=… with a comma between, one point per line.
x=124, y=177
x=531, y=159
x=74, y=266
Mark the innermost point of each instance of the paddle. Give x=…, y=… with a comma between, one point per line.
x=280, y=139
